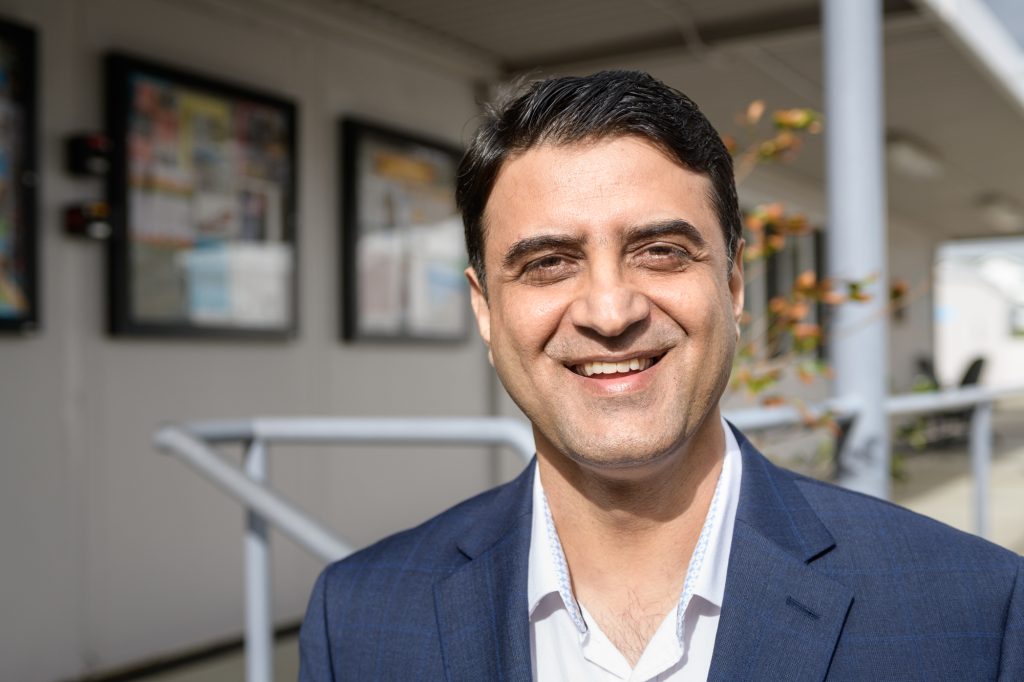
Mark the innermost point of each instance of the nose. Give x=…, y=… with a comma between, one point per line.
x=608, y=304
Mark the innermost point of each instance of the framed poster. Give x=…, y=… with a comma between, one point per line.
x=403, y=253
x=19, y=295
x=202, y=197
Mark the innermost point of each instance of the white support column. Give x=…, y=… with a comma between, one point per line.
x=259, y=626
x=857, y=233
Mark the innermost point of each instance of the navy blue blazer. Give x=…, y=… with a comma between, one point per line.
x=822, y=583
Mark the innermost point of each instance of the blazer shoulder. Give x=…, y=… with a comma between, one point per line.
x=432, y=546
x=373, y=615
x=861, y=519
x=931, y=600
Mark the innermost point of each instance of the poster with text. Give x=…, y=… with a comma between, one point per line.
x=18, y=260
x=204, y=176
x=402, y=240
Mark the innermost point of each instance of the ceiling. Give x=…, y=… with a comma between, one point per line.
x=524, y=35
x=725, y=53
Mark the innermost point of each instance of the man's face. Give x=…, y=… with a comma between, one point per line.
x=611, y=316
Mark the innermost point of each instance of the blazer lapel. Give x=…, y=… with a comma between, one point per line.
x=781, y=619
x=482, y=607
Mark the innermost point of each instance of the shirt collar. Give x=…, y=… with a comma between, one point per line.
x=548, y=572
x=709, y=582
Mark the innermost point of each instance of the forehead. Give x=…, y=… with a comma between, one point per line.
x=600, y=187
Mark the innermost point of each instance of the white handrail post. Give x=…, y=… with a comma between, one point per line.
x=259, y=627
x=981, y=457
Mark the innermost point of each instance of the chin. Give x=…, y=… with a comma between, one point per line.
x=622, y=454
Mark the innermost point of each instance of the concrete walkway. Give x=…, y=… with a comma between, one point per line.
x=939, y=483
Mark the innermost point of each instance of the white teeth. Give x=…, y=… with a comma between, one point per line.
x=591, y=368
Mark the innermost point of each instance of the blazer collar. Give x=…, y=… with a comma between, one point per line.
x=772, y=505
x=781, y=618
x=482, y=610
x=503, y=513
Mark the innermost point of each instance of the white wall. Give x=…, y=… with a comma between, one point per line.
x=109, y=552
x=973, y=320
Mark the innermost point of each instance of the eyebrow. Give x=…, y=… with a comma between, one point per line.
x=673, y=227
x=542, y=242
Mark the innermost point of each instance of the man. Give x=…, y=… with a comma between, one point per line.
x=649, y=541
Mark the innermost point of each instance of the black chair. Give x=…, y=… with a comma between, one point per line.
x=958, y=422
x=953, y=427
x=926, y=373
x=945, y=428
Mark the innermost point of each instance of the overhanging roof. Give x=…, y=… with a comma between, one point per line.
x=726, y=52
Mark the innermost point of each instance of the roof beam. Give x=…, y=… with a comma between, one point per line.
x=711, y=33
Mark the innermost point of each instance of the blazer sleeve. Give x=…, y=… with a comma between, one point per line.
x=1011, y=664
x=314, y=646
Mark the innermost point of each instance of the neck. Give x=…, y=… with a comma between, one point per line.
x=628, y=538
x=672, y=492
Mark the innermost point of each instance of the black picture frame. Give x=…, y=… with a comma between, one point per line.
x=202, y=195
x=19, y=257
x=402, y=247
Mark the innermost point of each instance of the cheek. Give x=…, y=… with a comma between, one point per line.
x=687, y=306
x=525, y=325
x=701, y=311
x=546, y=315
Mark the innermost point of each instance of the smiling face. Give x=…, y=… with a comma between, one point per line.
x=611, y=313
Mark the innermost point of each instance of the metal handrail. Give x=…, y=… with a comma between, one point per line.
x=506, y=431
x=947, y=399
x=257, y=498
x=191, y=441
x=763, y=418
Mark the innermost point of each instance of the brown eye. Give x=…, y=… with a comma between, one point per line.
x=547, y=262
x=548, y=269
x=664, y=256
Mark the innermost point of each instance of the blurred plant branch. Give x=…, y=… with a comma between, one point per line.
x=787, y=337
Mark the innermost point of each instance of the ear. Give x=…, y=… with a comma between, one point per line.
x=736, y=284
x=481, y=309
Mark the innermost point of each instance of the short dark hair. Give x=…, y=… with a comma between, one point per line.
x=568, y=109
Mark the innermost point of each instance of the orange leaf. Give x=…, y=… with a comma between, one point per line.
x=754, y=222
x=799, y=311
x=806, y=330
x=755, y=110
x=806, y=280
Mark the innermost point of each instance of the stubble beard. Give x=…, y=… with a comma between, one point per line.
x=637, y=432
x=626, y=438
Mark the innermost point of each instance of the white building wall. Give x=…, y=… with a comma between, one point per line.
x=973, y=320
x=109, y=552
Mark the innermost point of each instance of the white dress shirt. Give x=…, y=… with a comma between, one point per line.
x=566, y=642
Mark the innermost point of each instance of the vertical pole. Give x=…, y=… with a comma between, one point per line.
x=981, y=457
x=259, y=628
x=857, y=232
